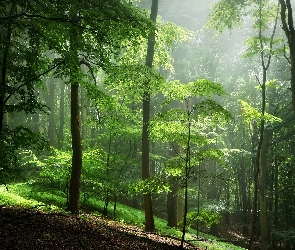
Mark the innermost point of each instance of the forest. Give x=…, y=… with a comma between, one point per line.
x=137, y=124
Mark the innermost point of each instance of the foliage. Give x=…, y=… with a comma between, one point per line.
x=209, y=217
x=167, y=35
x=250, y=114
x=156, y=184
x=12, y=142
x=198, y=88
x=200, y=110
x=254, y=47
x=231, y=13
x=285, y=236
x=54, y=168
x=226, y=14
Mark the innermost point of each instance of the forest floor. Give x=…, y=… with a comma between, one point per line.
x=233, y=234
x=27, y=229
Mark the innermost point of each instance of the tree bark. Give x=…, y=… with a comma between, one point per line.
x=261, y=164
x=4, y=62
x=187, y=169
x=288, y=27
x=149, y=218
x=276, y=200
x=74, y=191
x=83, y=115
x=172, y=197
x=51, y=105
x=61, y=116
x=262, y=190
x=243, y=188
x=36, y=123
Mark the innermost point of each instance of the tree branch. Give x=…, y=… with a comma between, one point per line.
x=284, y=21
x=272, y=38
x=31, y=80
x=90, y=69
x=287, y=58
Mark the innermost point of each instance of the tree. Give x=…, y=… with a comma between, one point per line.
x=261, y=167
x=58, y=38
x=187, y=127
x=263, y=13
x=149, y=220
x=288, y=27
x=76, y=171
x=61, y=116
x=173, y=197
x=75, y=126
x=51, y=105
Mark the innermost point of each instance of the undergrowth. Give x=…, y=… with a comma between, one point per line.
x=29, y=196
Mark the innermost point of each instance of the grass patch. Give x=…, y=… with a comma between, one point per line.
x=50, y=200
x=9, y=198
x=21, y=195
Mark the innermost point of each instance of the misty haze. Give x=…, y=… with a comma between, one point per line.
x=136, y=124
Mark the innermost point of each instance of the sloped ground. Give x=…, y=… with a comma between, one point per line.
x=22, y=229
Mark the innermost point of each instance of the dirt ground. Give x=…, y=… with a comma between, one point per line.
x=33, y=230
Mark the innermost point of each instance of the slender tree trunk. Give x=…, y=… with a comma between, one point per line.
x=187, y=170
x=83, y=115
x=74, y=191
x=149, y=218
x=243, y=187
x=108, y=168
x=172, y=197
x=61, y=116
x=172, y=204
x=36, y=123
x=256, y=179
x=288, y=27
x=51, y=105
x=4, y=64
x=276, y=199
x=5, y=118
x=213, y=195
x=198, y=199
x=255, y=190
x=261, y=164
x=263, y=189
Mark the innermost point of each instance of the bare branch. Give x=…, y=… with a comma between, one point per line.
x=287, y=58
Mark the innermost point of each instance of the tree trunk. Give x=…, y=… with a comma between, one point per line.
x=254, y=140
x=276, y=199
x=61, y=116
x=262, y=190
x=51, y=105
x=149, y=218
x=243, y=188
x=187, y=169
x=214, y=196
x=261, y=164
x=172, y=197
x=36, y=123
x=83, y=115
x=288, y=27
x=4, y=62
x=74, y=191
